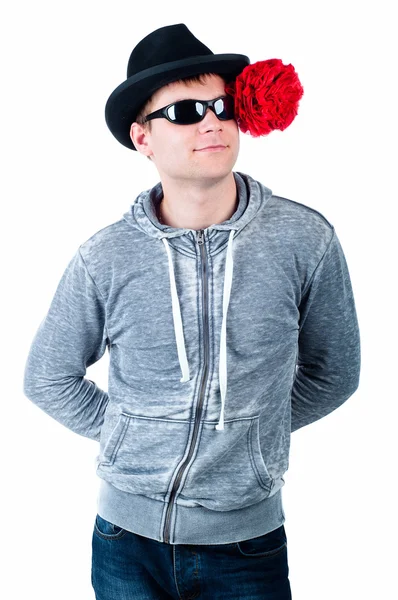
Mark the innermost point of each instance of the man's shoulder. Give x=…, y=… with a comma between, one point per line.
x=104, y=244
x=299, y=227
x=292, y=209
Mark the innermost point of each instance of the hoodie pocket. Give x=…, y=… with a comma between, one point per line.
x=229, y=471
x=141, y=454
x=113, y=442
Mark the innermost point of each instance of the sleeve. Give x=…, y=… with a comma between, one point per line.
x=329, y=356
x=71, y=337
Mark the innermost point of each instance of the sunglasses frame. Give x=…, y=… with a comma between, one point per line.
x=162, y=112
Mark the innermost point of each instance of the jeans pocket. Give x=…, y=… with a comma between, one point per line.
x=108, y=530
x=269, y=544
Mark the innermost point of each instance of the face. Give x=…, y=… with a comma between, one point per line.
x=175, y=149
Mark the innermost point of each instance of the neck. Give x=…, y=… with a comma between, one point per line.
x=197, y=207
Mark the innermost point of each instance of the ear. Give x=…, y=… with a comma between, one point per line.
x=140, y=138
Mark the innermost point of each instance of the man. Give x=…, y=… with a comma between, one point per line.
x=230, y=321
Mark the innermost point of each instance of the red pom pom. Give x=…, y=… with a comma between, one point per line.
x=266, y=96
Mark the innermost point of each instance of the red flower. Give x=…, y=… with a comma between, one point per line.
x=266, y=96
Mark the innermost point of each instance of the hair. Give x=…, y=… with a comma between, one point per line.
x=146, y=108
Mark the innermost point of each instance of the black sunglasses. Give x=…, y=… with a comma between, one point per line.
x=187, y=112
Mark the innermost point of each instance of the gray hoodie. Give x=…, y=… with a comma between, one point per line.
x=221, y=342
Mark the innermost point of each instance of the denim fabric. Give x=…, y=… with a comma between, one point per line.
x=126, y=565
x=222, y=342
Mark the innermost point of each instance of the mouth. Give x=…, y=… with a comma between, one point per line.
x=217, y=148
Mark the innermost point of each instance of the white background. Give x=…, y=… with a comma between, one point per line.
x=65, y=176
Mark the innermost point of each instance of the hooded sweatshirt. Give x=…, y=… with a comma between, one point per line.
x=222, y=342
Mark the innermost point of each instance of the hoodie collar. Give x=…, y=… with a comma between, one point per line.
x=142, y=214
x=252, y=196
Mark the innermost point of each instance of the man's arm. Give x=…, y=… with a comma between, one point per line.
x=329, y=358
x=71, y=337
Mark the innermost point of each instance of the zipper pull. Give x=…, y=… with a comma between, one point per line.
x=200, y=236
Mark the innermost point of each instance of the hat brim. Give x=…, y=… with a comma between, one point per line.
x=126, y=100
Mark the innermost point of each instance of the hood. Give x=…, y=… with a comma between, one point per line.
x=142, y=215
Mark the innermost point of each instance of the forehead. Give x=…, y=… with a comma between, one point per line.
x=212, y=87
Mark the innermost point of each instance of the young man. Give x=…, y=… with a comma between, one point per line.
x=230, y=320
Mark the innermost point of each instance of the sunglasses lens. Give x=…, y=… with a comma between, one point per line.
x=224, y=108
x=187, y=112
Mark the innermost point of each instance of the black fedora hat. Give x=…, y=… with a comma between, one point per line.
x=165, y=55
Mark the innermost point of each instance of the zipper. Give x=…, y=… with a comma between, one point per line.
x=200, y=240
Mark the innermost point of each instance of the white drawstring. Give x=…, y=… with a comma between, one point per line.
x=182, y=355
x=229, y=267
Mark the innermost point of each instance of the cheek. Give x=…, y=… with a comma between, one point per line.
x=173, y=141
x=234, y=129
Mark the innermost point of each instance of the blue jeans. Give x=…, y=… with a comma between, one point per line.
x=127, y=566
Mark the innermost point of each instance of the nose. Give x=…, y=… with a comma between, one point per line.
x=210, y=121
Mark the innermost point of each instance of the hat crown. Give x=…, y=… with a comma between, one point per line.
x=166, y=44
